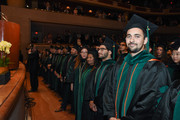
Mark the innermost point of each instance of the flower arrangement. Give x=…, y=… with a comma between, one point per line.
x=4, y=50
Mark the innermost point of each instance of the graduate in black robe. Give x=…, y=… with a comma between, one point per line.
x=57, y=69
x=79, y=68
x=123, y=49
x=44, y=65
x=106, y=52
x=33, y=63
x=66, y=73
x=169, y=106
x=51, y=67
x=136, y=86
x=87, y=113
x=174, y=65
x=176, y=76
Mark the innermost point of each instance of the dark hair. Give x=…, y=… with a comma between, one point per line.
x=78, y=59
x=95, y=55
x=163, y=58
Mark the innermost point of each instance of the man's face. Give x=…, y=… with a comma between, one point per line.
x=102, y=52
x=176, y=56
x=53, y=50
x=122, y=46
x=159, y=51
x=73, y=51
x=65, y=50
x=59, y=51
x=135, y=40
x=79, y=42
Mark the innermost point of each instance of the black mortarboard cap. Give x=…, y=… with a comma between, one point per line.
x=162, y=45
x=56, y=47
x=139, y=22
x=94, y=52
x=51, y=46
x=61, y=47
x=76, y=47
x=67, y=47
x=111, y=45
x=176, y=44
x=47, y=50
x=86, y=47
x=145, y=25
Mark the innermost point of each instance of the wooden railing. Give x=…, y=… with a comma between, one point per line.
x=12, y=96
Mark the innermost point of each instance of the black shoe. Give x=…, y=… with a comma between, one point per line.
x=71, y=112
x=59, y=110
x=30, y=91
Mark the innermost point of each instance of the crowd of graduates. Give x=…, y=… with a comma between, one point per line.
x=73, y=73
x=87, y=78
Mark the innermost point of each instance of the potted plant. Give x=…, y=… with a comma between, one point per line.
x=4, y=61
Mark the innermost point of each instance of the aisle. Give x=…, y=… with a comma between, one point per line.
x=46, y=103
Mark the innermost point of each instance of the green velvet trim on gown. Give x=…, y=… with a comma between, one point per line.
x=137, y=62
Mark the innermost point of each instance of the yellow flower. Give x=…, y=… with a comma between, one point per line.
x=5, y=46
x=7, y=51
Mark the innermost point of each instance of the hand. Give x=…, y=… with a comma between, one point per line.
x=61, y=79
x=57, y=75
x=48, y=66
x=113, y=118
x=29, y=51
x=60, y=76
x=71, y=86
x=92, y=106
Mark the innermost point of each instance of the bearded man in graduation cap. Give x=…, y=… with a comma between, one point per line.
x=136, y=85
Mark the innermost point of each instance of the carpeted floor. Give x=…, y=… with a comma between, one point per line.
x=46, y=103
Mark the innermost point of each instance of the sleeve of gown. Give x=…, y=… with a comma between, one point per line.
x=70, y=73
x=153, y=83
x=109, y=96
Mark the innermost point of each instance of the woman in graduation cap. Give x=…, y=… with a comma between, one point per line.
x=136, y=85
x=174, y=66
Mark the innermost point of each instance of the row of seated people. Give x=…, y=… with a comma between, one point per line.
x=100, y=12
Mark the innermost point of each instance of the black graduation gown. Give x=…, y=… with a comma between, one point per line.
x=143, y=104
x=166, y=106
x=70, y=70
x=98, y=100
x=33, y=61
x=49, y=62
x=174, y=71
x=87, y=113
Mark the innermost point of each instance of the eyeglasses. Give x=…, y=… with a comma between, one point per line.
x=101, y=49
